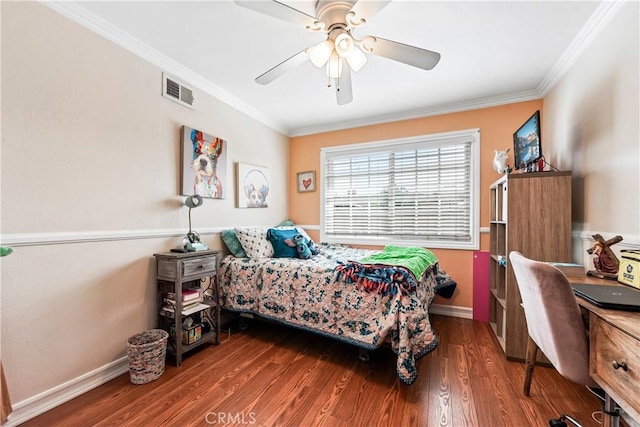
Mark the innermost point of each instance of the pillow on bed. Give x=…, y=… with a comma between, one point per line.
x=254, y=241
x=277, y=237
x=231, y=240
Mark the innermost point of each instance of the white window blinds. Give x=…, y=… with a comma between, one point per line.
x=418, y=191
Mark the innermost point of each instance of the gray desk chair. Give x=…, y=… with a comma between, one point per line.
x=554, y=323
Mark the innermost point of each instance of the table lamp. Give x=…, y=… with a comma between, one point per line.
x=192, y=242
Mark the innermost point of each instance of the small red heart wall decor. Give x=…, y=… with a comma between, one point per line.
x=306, y=183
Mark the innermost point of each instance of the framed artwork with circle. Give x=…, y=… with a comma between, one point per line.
x=253, y=184
x=306, y=181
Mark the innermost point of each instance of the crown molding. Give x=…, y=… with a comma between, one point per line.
x=594, y=25
x=603, y=13
x=93, y=22
x=474, y=104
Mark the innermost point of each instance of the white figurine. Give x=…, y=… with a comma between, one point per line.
x=500, y=161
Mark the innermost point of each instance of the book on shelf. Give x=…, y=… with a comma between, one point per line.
x=185, y=303
x=187, y=295
x=168, y=310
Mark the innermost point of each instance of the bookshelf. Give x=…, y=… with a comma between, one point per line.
x=529, y=213
x=188, y=285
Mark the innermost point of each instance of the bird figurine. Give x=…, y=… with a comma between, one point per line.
x=500, y=161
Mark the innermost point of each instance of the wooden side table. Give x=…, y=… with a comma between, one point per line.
x=176, y=273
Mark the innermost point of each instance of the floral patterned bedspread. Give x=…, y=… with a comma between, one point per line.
x=306, y=294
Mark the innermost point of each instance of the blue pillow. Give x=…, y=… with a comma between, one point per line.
x=277, y=238
x=231, y=240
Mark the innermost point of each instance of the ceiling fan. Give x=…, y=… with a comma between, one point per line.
x=341, y=52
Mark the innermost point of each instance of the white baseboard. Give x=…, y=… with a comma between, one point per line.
x=451, y=310
x=27, y=409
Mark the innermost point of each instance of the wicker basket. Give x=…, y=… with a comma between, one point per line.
x=147, y=351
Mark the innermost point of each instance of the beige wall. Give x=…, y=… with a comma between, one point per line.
x=90, y=148
x=591, y=117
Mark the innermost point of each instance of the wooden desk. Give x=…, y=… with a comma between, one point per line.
x=614, y=353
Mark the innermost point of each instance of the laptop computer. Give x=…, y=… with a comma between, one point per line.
x=613, y=297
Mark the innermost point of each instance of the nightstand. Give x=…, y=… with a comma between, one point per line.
x=188, y=288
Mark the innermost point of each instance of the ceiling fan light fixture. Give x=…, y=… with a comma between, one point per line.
x=337, y=18
x=320, y=53
x=334, y=66
x=356, y=60
x=344, y=45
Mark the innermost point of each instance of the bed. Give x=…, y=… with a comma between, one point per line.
x=335, y=295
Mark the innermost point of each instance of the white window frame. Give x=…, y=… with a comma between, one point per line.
x=456, y=137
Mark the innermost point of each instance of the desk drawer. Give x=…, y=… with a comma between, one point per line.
x=199, y=266
x=609, y=345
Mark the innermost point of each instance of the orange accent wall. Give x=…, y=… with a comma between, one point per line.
x=496, y=125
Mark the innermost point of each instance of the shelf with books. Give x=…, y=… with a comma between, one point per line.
x=169, y=310
x=188, y=295
x=188, y=284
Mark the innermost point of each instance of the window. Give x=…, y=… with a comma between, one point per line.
x=420, y=191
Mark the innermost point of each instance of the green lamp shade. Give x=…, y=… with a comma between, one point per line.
x=193, y=201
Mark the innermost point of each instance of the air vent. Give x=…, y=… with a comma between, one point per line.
x=175, y=90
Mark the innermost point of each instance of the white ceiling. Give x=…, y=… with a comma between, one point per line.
x=492, y=53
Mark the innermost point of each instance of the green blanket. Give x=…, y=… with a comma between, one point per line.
x=417, y=260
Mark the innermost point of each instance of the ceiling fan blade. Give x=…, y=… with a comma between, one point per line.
x=364, y=10
x=344, y=94
x=281, y=11
x=282, y=68
x=410, y=55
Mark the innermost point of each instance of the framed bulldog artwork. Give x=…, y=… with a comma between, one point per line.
x=204, y=164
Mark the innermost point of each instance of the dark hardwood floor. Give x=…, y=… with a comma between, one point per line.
x=271, y=375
